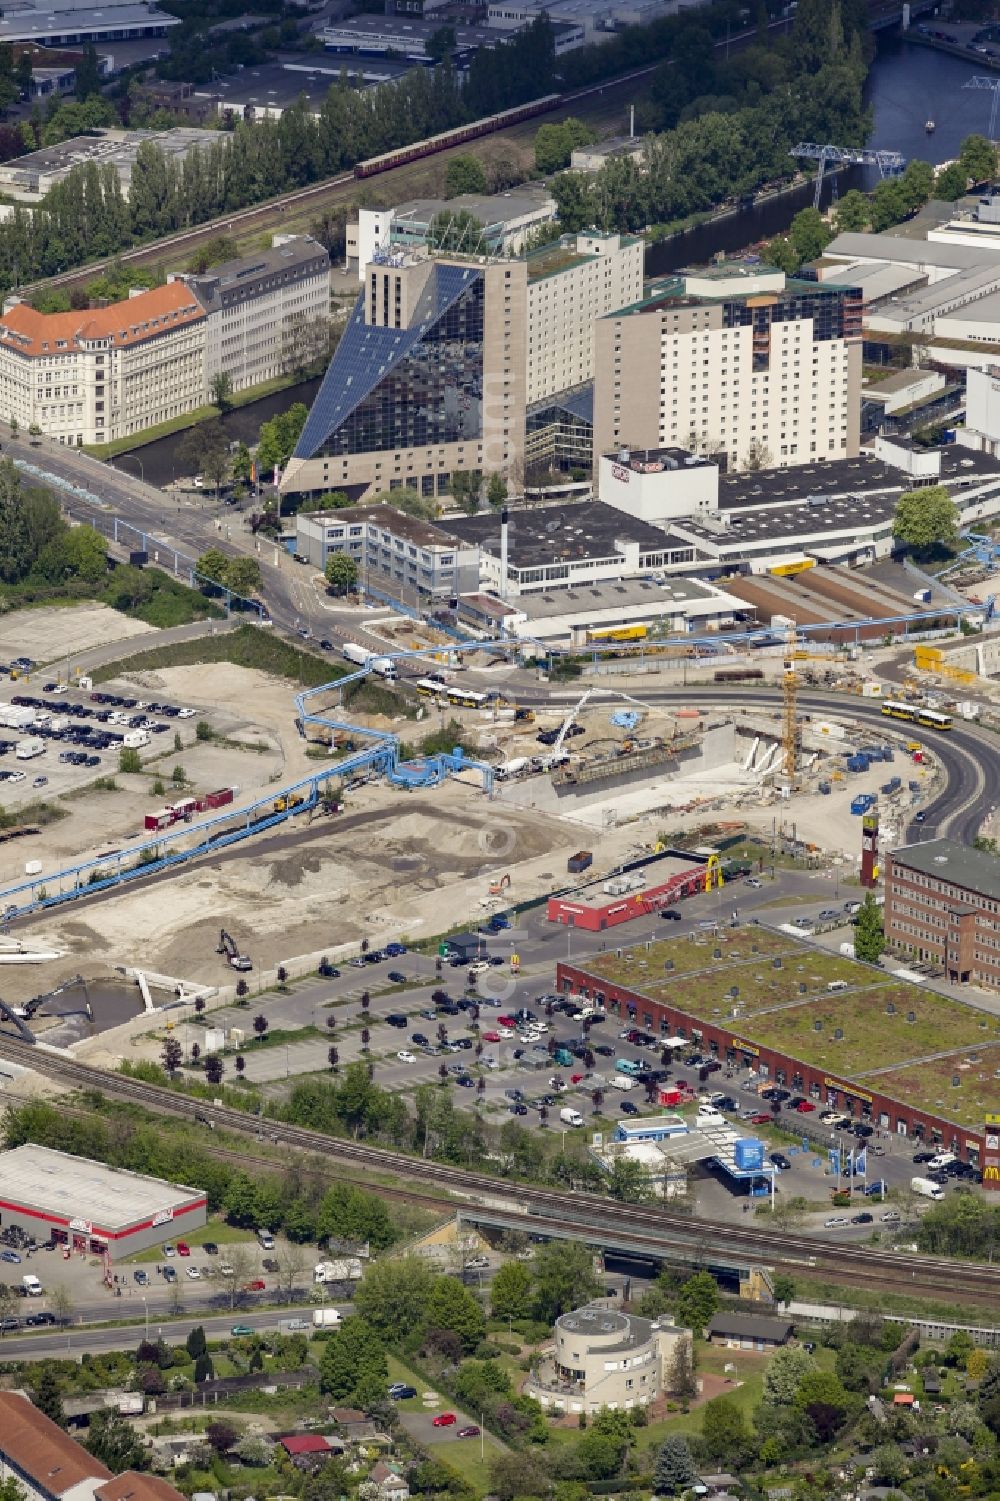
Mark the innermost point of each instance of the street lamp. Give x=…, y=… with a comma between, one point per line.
x=137, y=460
x=145, y=1309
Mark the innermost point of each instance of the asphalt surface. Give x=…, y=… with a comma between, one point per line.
x=76, y=1338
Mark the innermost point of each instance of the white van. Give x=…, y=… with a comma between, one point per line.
x=571, y=1117
x=32, y=1286
x=265, y=1240
x=708, y=1112
x=927, y=1188
x=622, y=1081
x=941, y=1160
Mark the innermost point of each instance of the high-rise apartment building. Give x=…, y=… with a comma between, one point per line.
x=442, y=355
x=737, y=360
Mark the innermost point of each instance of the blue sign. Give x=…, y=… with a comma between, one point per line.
x=749, y=1154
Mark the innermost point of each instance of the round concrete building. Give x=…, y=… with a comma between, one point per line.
x=603, y=1358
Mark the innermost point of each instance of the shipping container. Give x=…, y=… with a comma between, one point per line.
x=582, y=860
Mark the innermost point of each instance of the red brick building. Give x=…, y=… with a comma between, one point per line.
x=942, y=903
x=862, y=1101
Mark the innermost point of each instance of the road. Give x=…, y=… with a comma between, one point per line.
x=77, y=1338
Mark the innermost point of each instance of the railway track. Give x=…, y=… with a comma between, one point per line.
x=643, y=1228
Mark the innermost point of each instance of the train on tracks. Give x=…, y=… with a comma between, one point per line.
x=459, y=134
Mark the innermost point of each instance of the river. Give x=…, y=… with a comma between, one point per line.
x=907, y=83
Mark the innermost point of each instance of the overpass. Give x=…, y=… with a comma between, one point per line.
x=895, y=13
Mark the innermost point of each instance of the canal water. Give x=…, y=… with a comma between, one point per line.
x=157, y=463
x=907, y=84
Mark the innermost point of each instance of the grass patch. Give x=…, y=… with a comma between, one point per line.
x=247, y=646
x=810, y=1290
x=150, y=434
x=463, y=1456
x=188, y=419
x=218, y=1231
x=150, y=595
x=32, y=815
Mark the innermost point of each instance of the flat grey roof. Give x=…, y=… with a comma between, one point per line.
x=901, y=251
x=754, y=1325
x=566, y=532
x=110, y=1198
x=400, y=523
x=605, y=596
x=841, y=477
x=489, y=209
x=900, y=380
x=960, y=864
x=632, y=1330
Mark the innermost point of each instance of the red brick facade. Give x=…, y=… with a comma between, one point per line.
x=933, y=917
x=891, y=1116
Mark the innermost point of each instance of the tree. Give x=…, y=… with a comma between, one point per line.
x=555, y=144
x=196, y=1343
x=496, y=491
x=950, y=183
x=172, y=1055
x=697, y=1301
x=238, y=1262
x=214, y=1068
x=353, y=1354
x=784, y=1374
x=214, y=565
x=674, y=1470
x=853, y=213
x=46, y=1393
x=452, y=1306
x=925, y=519
x=115, y=1442
x=440, y=44
x=277, y=438
x=291, y=1265
x=341, y=572
x=244, y=577
x=221, y=387
x=724, y=1432
x=783, y=1287
x=869, y=934
x=758, y=457
x=680, y=1378
x=221, y=1436
x=977, y=158
x=394, y=1295
x=510, y=1293
x=88, y=81
x=204, y=1370
x=810, y=234
x=564, y=1278
x=465, y=174
x=129, y=761
x=260, y=1026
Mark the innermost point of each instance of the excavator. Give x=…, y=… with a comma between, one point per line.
x=229, y=947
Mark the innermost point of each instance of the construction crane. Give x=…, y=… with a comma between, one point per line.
x=992, y=86
x=889, y=163
x=564, y=728
x=789, y=687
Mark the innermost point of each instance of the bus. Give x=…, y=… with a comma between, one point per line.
x=466, y=699
x=429, y=688
x=929, y=719
x=897, y=710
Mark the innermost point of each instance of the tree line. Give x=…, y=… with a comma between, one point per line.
x=291, y=1201
x=735, y=130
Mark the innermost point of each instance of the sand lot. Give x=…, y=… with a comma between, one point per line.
x=392, y=863
x=56, y=635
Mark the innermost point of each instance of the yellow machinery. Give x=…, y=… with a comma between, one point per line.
x=713, y=873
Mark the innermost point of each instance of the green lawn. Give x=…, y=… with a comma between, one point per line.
x=216, y=1230
x=470, y=1458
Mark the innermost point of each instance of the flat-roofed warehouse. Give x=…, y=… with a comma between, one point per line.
x=91, y=1206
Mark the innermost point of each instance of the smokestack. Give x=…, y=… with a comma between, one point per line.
x=631, y=122
x=504, y=516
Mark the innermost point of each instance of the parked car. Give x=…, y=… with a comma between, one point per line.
x=470, y=1430
x=444, y=1420
x=399, y=1391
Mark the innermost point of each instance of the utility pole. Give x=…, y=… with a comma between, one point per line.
x=790, y=737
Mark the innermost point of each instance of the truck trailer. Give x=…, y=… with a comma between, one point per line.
x=384, y=667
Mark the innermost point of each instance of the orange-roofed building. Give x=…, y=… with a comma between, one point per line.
x=103, y=373
x=47, y=1464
